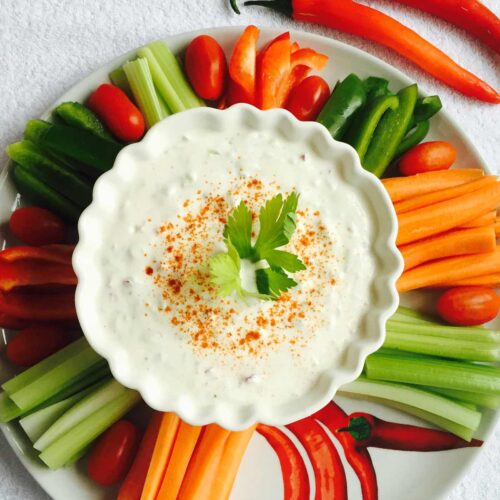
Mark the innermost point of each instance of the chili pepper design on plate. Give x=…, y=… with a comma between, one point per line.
x=363, y=21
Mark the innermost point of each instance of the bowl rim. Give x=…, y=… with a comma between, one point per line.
x=357, y=348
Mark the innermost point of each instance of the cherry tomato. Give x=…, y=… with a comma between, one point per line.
x=308, y=98
x=206, y=67
x=118, y=112
x=113, y=453
x=37, y=226
x=428, y=156
x=34, y=344
x=468, y=305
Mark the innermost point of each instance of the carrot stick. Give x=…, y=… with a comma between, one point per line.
x=449, y=244
x=185, y=442
x=161, y=455
x=442, y=195
x=450, y=270
x=492, y=280
x=440, y=217
x=487, y=219
x=204, y=465
x=402, y=188
x=133, y=483
x=497, y=228
x=230, y=462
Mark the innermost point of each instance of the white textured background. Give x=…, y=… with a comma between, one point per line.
x=47, y=45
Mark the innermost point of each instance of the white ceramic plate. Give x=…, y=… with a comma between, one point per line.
x=408, y=475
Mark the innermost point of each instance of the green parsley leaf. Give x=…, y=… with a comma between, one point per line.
x=225, y=271
x=239, y=230
x=277, y=223
x=272, y=282
x=285, y=260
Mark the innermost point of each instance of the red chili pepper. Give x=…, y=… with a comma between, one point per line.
x=328, y=469
x=57, y=254
x=368, y=430
x=34, y=273
x=334, y=418
x=293, y=468
x=365, y=22
x=33, y=307
x=242, y=83
x=471, y=15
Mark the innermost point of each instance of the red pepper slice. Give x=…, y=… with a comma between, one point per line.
x=369, y=430
x=34, y=273
x=34, y=307
x=310, y=58
x=293, y=468
x=296, y=76
x=334, y=418
x=12, y=323
x=58, y=254
x=242, y=86
x=275, y=65
x=294, y=47
x=328, y=469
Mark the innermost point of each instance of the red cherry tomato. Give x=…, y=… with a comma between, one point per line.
x=37, y=226
x=428, y=156
x=468, y=305
x=34, y=344
x=113, y=453
x=118, y=112
x=206, y=67
x=308, y=98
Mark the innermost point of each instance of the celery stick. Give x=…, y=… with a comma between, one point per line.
x=485, y=400
x=172, y=69
x=57, y=379
x=67, y=446
x=141, y=83
x=73, y=460
x=88, y=405
x=31, y=374
x=119, y=78
x=417, y=398
x=444, y=347
x=434, y=372
x=162, y=82
x=445, y=331
x=35, y=424
x=8, y=409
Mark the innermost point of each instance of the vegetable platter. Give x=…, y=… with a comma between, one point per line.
x=396, y=464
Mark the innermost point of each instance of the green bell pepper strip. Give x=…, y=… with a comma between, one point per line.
x=425, y=108
x=376, y=87
x=360, y=133
x=390, y=132
x=347, y=97
x=414, y=137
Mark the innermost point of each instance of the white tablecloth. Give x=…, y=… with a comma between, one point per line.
x=47, y=45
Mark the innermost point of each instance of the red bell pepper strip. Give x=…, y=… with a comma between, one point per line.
x=296, y=76
x=328, y=469
x=58, y=254
x=295, y=478
x=310, y=58
x=12, y=323
x=365, y=22
x=242, y=84
x=368, y=430
x=294, y=47
x=471, y=15
x=334, y=418
x=273, y=71
x=33, y=307
x=34, y=273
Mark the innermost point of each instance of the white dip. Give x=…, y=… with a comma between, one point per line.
x=155, y=298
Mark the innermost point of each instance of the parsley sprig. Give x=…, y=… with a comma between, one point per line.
x=278, y=221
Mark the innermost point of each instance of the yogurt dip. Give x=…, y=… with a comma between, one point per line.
x=153, y=293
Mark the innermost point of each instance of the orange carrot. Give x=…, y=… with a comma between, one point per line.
x=185, y=442
x=497, y=227
x=204, y=465
x=449, y=244
x=443, y=194
x=133, y=483
x=492, y=280
x=402, y=188
x=450, y=270
x=487, y=219
x=161, y=455
x=440, y=217
x=230, y=462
